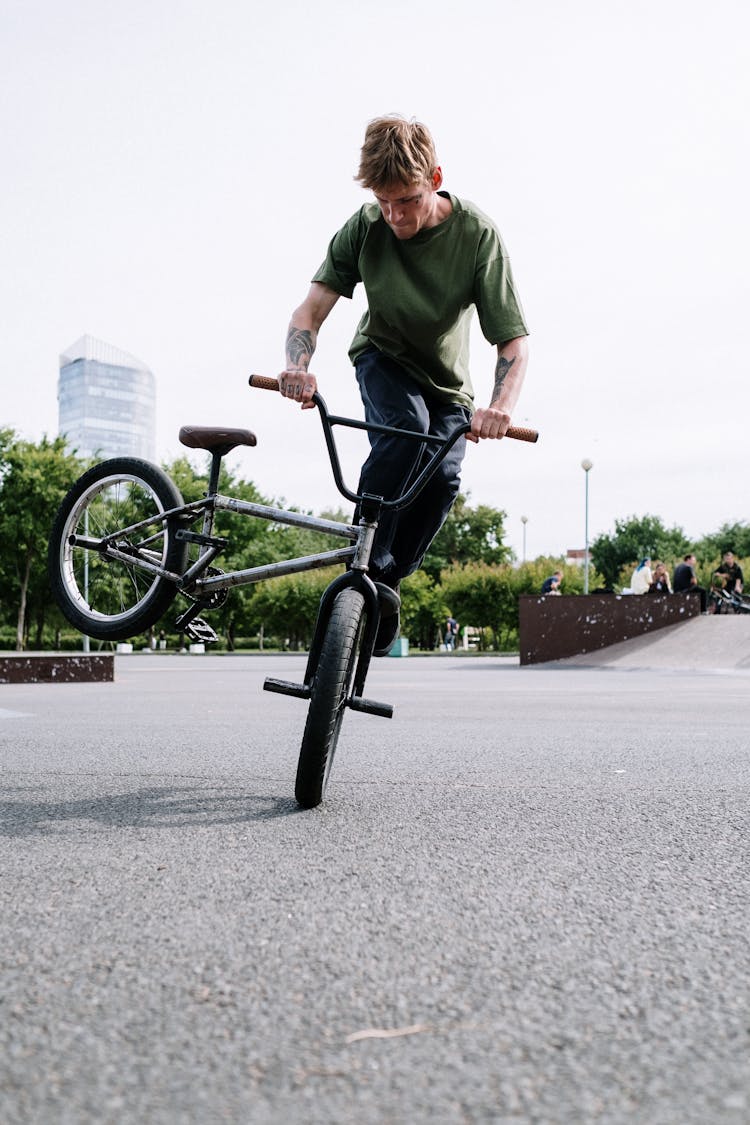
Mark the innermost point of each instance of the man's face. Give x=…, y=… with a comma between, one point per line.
x=729, y=558
x=407, y=209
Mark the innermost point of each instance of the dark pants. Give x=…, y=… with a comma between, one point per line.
x=392, y=397
x=697, y=590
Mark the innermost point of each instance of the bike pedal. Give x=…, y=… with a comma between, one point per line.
x=286, y=687
x=371, y=707
x=200, y=630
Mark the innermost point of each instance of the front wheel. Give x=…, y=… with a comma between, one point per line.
x=121, y=501
x=330, y=690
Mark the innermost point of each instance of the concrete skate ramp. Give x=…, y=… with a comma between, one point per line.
x=714, y=643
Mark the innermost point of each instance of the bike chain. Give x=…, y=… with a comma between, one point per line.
x=214, y=600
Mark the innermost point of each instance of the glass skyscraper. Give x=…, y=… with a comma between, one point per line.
x=106, y=401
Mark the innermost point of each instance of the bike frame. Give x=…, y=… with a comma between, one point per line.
x=360, y=535
x=201, y=586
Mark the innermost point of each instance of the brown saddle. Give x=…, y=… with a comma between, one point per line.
x=215, y=439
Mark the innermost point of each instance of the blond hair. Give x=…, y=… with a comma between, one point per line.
x=396, y=151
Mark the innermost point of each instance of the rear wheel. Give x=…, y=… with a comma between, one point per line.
x=330, y=690
x=106, y=598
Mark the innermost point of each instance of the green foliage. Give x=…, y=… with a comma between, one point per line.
x=296, y=542
x=7, y=438
x=33, y=480
x=483, y=596
x=733, y=537
x=468, y=535
x=423, y=610
x=256, y=542
x=287, y=607
x=634, y=539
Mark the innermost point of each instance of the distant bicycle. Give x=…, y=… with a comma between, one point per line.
x=124, y=544
x=724, y=602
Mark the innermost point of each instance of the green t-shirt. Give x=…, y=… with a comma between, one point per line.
x=421, y=292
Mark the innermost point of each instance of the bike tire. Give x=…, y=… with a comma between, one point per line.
x=330, y=689
x=110, y=599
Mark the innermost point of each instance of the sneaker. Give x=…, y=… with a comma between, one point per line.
x=390, y=619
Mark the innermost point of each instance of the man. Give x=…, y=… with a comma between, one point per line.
x=426, y=259
x=551, y=585
x=451, y=633
x=729, y=574
x=685, y=582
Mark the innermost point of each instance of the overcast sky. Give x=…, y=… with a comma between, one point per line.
x=174, y=170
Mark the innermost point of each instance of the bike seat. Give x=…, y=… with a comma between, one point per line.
x=215, y=439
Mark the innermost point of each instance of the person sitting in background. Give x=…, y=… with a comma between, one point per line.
x=685, y=582
x=642, y=577
x=728, y=575
x=660, y=582
x=551, y=585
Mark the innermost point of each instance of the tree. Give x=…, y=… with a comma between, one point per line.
x=287, y=607
x=483, y=596
x=423, y=609
x=733, y=537
x=33, y=482
x=468, y=535
x=251, y=542
x=634, y=539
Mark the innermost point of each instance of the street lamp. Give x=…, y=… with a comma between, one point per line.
x=524, y=521
x=587, y=466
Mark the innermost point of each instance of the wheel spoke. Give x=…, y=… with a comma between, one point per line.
x=112, y=597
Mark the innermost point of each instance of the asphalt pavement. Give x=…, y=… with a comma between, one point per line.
x=525, y=898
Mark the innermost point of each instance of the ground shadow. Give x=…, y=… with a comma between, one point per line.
x=26, y=811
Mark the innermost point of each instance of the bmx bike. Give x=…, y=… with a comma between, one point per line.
x=124, y=545
x=724, y=601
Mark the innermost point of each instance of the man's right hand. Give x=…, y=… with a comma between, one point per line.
x=298, y=385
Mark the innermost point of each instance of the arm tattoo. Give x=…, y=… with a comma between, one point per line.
x=502, y=368
x=299, y=346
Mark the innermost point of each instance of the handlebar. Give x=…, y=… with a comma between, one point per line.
x=328, y=421
x=519, y=433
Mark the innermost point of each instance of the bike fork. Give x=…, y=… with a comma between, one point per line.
x=357, y=578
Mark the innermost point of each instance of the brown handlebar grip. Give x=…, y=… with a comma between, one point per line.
x=263, y=383
x=521, y=433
